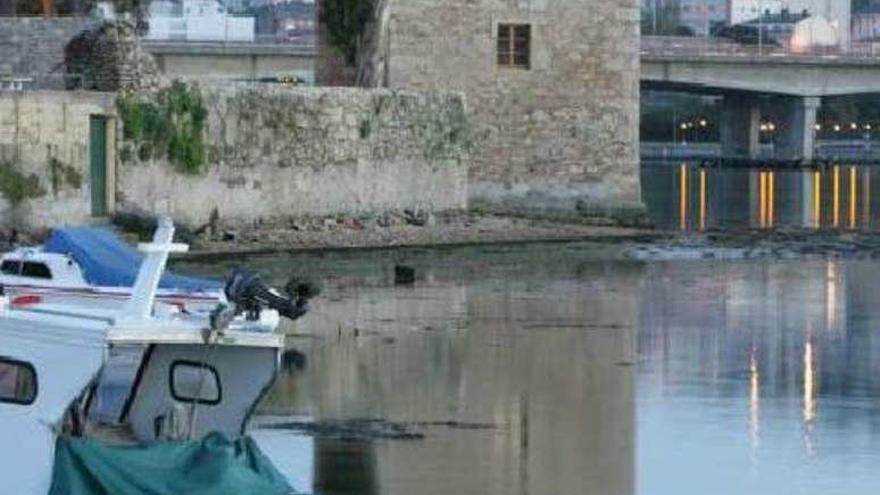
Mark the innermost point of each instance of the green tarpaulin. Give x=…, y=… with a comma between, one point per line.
x=211, y=466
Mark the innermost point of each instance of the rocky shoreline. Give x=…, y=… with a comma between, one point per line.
x=419, y=229
x=399, y=229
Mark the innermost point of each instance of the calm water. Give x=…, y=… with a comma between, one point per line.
x=684, y=196
x=561, y=369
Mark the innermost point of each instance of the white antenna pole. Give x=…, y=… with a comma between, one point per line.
x=140, y=306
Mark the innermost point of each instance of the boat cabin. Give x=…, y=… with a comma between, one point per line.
x=31, y=266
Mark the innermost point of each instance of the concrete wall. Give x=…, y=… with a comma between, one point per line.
x=37, y=128
x=276, y=152
x=35, y=46
x=564, y=129
x=219, y=60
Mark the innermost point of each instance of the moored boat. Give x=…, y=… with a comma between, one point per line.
x=179, y=426
x=92, y=266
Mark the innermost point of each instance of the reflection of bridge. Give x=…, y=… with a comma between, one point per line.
x=788, y=84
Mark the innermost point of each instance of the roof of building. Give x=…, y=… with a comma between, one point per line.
x=784, y=16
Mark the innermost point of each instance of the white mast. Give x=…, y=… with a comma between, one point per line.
x=140, y=306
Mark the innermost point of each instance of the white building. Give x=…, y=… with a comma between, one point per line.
x=838, y=13
x=197, y=20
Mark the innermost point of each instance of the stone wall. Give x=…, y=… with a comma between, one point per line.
x=44, y=156
x=34, y=46
x=278, y=152
x=561, y=132
x=109, y=57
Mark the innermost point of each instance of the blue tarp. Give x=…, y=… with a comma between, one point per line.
x=107, y=261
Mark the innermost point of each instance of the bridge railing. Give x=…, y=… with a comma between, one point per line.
x=699, y=46
x=16, y=82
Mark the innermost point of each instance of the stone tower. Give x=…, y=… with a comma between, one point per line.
x=552, y=88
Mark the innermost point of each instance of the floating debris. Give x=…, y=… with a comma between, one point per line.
x=371, y=428
x=354, y=429
x=404, y=275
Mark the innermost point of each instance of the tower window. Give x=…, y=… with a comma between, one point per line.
x=514, y=45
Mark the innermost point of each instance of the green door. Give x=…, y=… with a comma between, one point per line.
x=98, y=164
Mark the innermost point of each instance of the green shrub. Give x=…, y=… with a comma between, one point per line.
x=18, y=187
x=169, y=123
x=63, y=175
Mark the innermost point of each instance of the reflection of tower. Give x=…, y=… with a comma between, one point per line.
x=530, y=398
x=345, y=467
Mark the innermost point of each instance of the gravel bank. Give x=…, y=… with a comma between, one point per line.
x=450, y=229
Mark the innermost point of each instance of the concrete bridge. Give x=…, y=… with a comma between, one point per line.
x=787, y=85
x=219, y=59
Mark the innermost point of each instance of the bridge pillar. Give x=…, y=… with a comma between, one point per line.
x=797, y=141
x=740, y=127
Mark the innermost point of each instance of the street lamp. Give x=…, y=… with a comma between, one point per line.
x=760, y=28
x=654, y=17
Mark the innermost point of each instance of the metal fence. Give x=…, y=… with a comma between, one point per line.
x=29, y=82
x=61, y=82
x=702, y=46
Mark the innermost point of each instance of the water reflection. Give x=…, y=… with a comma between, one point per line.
x=521, y=383
x=690, y=197
x=751, y=377
x=754, y=400
x=788, y=345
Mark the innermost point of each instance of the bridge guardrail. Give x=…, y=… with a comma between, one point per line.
x=693, y=46
x=13, y=82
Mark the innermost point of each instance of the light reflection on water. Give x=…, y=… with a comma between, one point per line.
x=748, y=377
x=689, y=197
x=759, y=378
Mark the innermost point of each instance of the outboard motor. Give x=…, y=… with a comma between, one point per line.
x=250, y=295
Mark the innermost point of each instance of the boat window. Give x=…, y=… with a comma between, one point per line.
x=195, y=382
x=18, y=382
x=35, y=270
x=10, y=267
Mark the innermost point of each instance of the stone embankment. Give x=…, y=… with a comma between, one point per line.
x=397, y=228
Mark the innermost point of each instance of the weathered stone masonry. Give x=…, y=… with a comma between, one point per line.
x=282, y=152
x=44, y=138
x=34, y=46
x=564, y=129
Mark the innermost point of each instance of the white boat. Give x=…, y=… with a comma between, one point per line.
x=194, y=376
x=91, y=266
